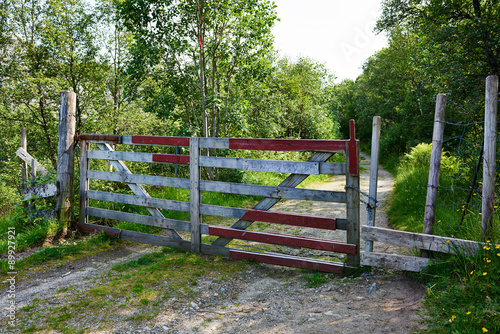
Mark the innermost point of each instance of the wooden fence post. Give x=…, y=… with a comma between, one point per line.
x=84, y=181
x=489, y=157
x=66, y=160
x=352, y=195
x=195, y=200
x=24, y=168
x=437, y=146
x=372, y=200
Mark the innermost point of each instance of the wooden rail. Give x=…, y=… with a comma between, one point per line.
x=298, y=170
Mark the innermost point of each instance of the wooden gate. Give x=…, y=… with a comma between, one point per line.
x=298, y=170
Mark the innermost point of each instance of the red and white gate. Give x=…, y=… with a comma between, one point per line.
x=321, y=150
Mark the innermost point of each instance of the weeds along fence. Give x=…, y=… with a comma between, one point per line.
x=472, y=200
x=187, y=235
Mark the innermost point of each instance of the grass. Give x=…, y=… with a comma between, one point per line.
x=463, y=294
x=146, y=284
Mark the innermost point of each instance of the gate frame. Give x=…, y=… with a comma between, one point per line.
x=317, y=164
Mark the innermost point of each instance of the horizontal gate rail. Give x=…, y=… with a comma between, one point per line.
x=283, y=218
x=298, y=170
x=283, y=239
x=224, y=187
x=277, y=166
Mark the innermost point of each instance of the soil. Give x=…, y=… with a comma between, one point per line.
x=262, y=298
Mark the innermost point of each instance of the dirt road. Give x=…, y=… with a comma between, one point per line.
x=261, y=299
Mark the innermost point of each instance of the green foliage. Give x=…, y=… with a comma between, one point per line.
x=316, y=279
x=462, y=293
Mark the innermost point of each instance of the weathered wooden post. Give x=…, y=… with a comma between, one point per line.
x=195, y=200
x=66, y=159
x=437, y=146
x=372, y=200
x=24, y=168
x=489, y=157
x=352, y=195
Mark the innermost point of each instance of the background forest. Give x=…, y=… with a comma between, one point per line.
x=208, y=68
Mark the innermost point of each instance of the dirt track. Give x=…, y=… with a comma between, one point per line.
x=263, y=298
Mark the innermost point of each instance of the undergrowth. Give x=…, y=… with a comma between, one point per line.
x=463, y=291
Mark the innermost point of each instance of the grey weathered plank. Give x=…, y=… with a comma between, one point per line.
x=393, y=261
x=195, y=195
x=372, y=192
x=267, y=203
x=426, y=242
x=41, y=191
x=435, y=164
x=261, y=165
x=139, y=200
x=120, y=156
x=161, y=181
x=209, y=142
x=136, y=188
x=65, y=201
x=225, y=187
x=139, y=219
x=26, y=157
x=489, y=156
x=84, y=181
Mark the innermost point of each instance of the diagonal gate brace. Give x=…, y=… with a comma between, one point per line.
x=137, y=188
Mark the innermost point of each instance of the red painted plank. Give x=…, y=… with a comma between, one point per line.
x=111, y=138
x=353, y=161
x=286, y=144
x=171, y=158
x=158, y=140
x=284, y=239
x=288, y=261
x=290, y=219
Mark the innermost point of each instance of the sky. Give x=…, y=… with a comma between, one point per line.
x=334, y=32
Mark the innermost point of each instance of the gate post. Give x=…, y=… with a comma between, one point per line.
x=194, y=198
x=66, y=160
x=352, y=194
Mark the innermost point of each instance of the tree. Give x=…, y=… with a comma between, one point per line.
x=199, y=50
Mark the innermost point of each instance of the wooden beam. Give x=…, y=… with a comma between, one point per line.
x=195, y=195
x=283, y=239
x=27, y=158
x=41, y=191
x=352, y=205
x=179, y=225
x=393, y=261
x=435, y=164
x=24, y=168
x=372, y=192
x=294, y=219
x=66, y=160
x=419, y=240
x=225, y=187
x=84, y=181
x=304, y=145
x=156, y=140
x=171, y=158
x=288, y=261
x=489, y=157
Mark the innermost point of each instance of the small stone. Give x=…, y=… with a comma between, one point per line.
x=373, y=287
x=329, y=313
